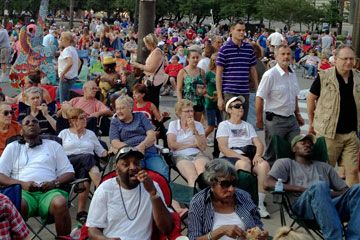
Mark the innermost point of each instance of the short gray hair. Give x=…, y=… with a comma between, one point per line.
x=127, y=100
x=342, y=46
x=218, y=168
x=281, y=46
x=32, y=90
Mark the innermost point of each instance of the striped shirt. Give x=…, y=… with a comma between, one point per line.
x=236, y=62
x=201, y=213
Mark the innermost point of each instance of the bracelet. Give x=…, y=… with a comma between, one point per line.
x=157, y=195
x=210, y=236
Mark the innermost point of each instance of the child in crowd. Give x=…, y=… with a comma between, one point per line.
x=213, y=114
x=324, y=62
x=105, y=53
x=121, y=63
x=172, y=70
x=94, y=53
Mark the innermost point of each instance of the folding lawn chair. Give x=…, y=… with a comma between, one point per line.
x=282, y=149
x=71, y=188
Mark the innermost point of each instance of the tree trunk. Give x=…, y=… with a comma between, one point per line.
x=71, y=23
x=341, y=13
x=356, y=27
x=146, y=26
x=136, y=16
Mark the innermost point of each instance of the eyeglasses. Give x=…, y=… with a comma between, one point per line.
x=347, y=59
x=93, y=88
x=227, y=183
x=238, y=106
x=7, y=112
x=33, y=121
x=83, y=116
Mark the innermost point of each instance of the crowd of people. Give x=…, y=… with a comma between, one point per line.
x=228, y=83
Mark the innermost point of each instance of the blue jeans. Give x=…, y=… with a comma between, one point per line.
x=63, y=90
x=154, y=162
x=312, y=70
x=316, y=203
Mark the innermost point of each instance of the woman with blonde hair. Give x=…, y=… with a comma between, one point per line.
x=68, y=67
x=153, y=68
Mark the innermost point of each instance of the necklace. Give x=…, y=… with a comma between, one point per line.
x=137, y=210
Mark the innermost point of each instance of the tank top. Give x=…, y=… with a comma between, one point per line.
x=189, y=88
x=145, y=110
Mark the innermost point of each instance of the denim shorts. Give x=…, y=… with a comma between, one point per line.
x=212, y=115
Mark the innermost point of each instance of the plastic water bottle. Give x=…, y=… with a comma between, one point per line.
x=76, y=232
x=279, y=187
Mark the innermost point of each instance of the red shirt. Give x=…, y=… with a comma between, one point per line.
x=190, y=34
x=325, y=66
x=172, y=70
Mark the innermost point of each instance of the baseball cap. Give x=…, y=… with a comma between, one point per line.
x=302, y=137
x=241, y=98
x=128, y=151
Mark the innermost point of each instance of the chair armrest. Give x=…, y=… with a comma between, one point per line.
x=80, y=180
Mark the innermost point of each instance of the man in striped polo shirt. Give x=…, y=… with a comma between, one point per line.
x=236, y=59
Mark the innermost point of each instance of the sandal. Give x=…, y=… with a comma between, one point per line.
x=81, y=216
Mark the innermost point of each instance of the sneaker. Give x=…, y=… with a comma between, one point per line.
x=209, y=142
x=263, y=212
x=165, y=92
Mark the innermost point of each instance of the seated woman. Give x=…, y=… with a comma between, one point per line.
x=222, y=211
x=239, y=144
x=311, y=63
x=186, y=138
x=8, y=128
x=80, y=146
x=32, y=80
x=47, y=117
x=134, y=129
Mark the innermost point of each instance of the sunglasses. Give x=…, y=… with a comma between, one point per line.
x=7, y=112
x=128, y=149
x=33, y=121
x=227, y=183
x=238, y=106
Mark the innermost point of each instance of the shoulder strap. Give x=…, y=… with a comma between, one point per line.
x=162, y=61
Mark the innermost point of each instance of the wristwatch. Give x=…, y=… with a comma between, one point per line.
x=157, y=195
x=57, y=184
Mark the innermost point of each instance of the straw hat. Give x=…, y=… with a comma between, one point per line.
x=108, y=60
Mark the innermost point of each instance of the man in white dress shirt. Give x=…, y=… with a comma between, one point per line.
x=278, y=89
x=276, y=38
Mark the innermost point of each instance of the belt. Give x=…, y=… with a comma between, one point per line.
x=277, y=115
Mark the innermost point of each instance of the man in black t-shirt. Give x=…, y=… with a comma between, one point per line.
x=336, y=115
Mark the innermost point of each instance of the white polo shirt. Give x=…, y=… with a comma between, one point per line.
x=275, y=39
x=43, y=163
x=186, y=137
x=279, y=90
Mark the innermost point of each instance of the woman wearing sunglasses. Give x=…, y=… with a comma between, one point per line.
x=8, y=128
x=80, y=146
x=222, y=211
x=239, y=144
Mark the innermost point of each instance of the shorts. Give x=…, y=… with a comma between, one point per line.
x=212, y=115
x=175, y=77
x=82, y=164
x=39, y=202
x=192, y=158
x=198, y=108
x=5, y=54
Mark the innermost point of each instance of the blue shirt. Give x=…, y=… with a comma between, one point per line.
x=201, y=213
x=292, y=40
x=132, y=133
x=236, y=62
x=262, y=41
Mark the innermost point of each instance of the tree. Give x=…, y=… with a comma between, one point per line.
x=331, y=14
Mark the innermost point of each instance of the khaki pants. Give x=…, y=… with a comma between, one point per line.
x=344, y=150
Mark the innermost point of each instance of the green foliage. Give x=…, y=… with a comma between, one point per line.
x=330, y=13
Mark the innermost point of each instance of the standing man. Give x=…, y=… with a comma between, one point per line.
x=5, y=52
x=262, y=41
x=292, y=42
x=217, y=42
x=235, y=61
x=326, y=43
x=336, y=115
x=276, y=38
x=279, y=89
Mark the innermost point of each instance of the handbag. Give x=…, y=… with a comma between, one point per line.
x=149, y=80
